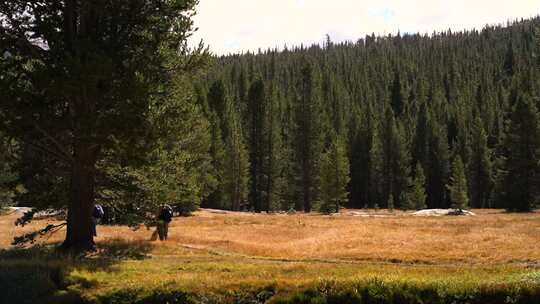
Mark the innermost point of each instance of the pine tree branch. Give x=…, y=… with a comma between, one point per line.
x=62, y=152
x=52, y=153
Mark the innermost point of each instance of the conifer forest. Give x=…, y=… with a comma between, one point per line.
x=405, y=121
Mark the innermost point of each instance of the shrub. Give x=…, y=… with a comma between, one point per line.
x=26, y=283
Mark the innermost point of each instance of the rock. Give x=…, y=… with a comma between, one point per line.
x=19, y=210
x=357, y=213
x=441, y=212
x=365, y=214
x=216, y=211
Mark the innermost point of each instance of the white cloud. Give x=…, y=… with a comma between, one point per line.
x=229, y=26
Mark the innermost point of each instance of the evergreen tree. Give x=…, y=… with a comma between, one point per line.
x=236, y=173
x=396, y=98
x=415, y=198
x=437, y=168
x=390, y=202
x=509, y=65
x=334, y=177
x=8, y=173
x=458, y=185
x=420, y=145
x=480, y=167
x=387, y=135
x=309, y=135
x=376, y=167
x=217, y=153
x=355, y=163
x=217, y=103
x=522, y=164
x=365, y=158
x=217, y=99
x=180, y=171
x=258, y=151
x=83, y=93
x=277, y=160
x=394, y=165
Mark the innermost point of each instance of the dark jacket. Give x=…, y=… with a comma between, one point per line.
x=166, y=214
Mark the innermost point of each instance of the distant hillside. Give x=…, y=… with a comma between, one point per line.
x=394, y=102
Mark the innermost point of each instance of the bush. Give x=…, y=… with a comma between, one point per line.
x=27, y=283
x=380, y=292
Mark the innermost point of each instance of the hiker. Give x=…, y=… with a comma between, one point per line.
x=107, y=215
x=164, y=218
x=97, y=215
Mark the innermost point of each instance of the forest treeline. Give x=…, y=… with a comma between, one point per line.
x=405, y=121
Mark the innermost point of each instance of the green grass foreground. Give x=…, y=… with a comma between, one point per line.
x=124, y=272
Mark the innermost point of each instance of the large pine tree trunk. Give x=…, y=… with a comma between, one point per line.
x=79, y=222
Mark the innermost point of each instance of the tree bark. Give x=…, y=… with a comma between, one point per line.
x=79, y=234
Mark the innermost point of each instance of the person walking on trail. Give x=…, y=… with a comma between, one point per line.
x=164, y=218
x=97, y=215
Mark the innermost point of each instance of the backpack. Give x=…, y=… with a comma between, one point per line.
x=98, y=212
x=166, y=213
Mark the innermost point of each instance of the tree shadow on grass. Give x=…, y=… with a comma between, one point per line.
x=118, y=249
x=106, y=253
x=45, y=274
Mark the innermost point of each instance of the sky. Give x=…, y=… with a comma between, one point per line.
x=233, y=26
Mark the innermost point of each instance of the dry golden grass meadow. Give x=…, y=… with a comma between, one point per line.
x=490, y=237
x=213, y=250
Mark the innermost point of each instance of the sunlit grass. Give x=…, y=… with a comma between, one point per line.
x=217, y=253
x=491, y=237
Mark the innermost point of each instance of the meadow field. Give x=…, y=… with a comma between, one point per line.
x=372, y=256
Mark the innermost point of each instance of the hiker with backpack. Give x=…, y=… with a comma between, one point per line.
x=164, y=218
x=97, y=215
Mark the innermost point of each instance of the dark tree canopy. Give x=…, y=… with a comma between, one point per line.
x=79, y=79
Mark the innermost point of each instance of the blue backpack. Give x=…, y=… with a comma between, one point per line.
x=98, y=212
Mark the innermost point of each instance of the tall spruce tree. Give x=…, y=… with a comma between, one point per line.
x=438, y=168
x=180, y=171
x=376, y=167
x=430, y=149
x=236, y=173
x=522, y=164
x=309, y=135
x=334, y=175
x=355, y=162
x=397, y=99
x=415, y=197
x=217, y=102
x=365, y=158
x=420, y=145
x=458, y=185
x=258, y=148
x=387, y=136
x=509, y=64
x=277, y=161
x=78, y=79
x=394, y=165
x=480, y=167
